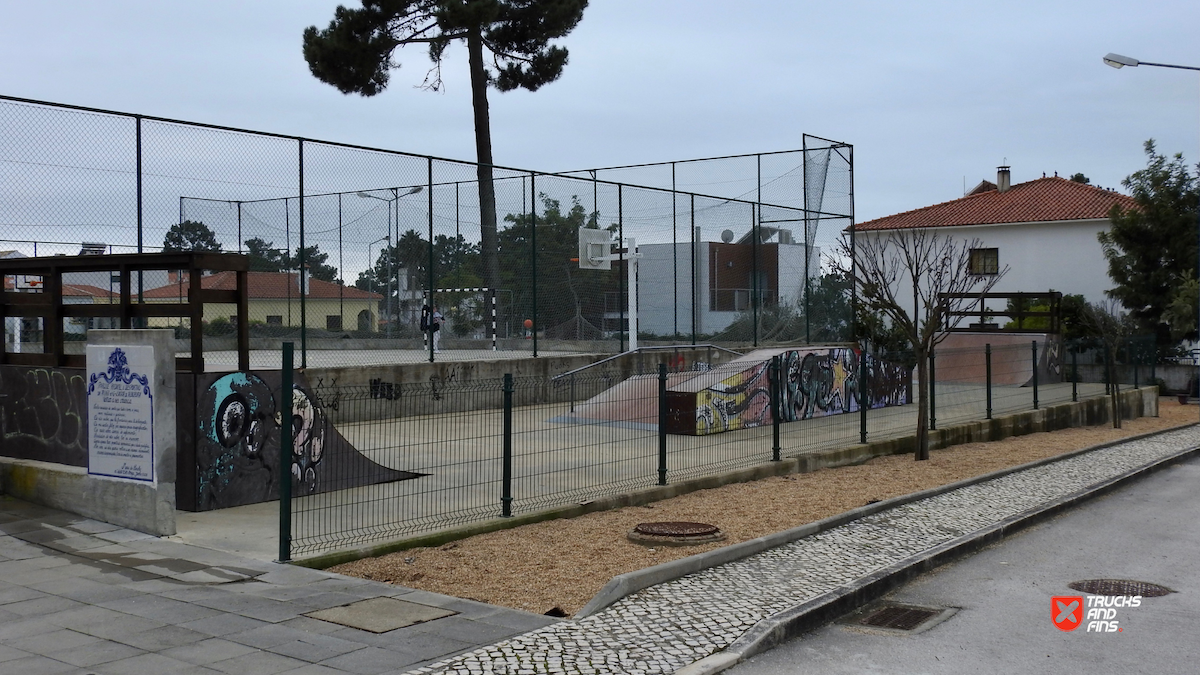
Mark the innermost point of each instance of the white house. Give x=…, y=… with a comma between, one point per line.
x=1043, y=230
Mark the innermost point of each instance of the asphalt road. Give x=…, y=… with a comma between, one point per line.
x=1148, y=531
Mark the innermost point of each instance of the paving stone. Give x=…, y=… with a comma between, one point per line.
x=316, y=648
x=142, y=664
x=8, y=653
x=380, y=615
x=159, y=608
x=267, y=636
x=158, y=639
x=37, y=665
x=102, y=651
x=208, y=651
x=50, y=642
x=372, y=661
x=84, y=590
x=258, y=663
x=225, y=624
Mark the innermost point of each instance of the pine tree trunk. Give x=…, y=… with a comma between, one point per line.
x=488, y=242
x=922, y=451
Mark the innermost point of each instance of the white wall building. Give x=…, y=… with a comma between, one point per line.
x=1043, y=230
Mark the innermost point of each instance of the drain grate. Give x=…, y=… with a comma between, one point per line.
x=899, y=617
x=1119, y=587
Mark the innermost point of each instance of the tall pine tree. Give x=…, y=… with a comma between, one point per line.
x=354, y=54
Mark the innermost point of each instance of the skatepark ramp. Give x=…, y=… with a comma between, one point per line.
x=815, y=381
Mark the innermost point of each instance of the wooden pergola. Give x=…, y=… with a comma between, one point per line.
x=48, y=304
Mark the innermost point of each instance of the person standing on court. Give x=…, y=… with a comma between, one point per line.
x=435, y=328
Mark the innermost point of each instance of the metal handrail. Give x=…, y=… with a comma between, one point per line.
x=643, y=349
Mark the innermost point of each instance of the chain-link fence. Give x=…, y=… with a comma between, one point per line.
x=350, y=246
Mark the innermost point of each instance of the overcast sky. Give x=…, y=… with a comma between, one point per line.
x=929, y=93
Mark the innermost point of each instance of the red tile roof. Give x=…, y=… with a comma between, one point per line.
x=84, y=290
x=1037, y=201
x=266, y=285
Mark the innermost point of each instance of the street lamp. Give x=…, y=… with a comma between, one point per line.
x=396, y=195
x=1119, y=61
x=388, y=239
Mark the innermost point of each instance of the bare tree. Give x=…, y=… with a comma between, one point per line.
x=885, y=265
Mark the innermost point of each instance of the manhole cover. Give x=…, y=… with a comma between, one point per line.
x=1119, y=587
x=899, y=617
x=675, y=534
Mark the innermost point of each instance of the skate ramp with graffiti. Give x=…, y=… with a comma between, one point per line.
x=237, y=451
x=815, y=381
x=632, y=403
x=960, y=357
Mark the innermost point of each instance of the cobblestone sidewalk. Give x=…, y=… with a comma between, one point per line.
x=666, y=627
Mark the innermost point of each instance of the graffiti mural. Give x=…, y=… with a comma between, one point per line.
x=237, y=444
x=42, y=414
x=813, y=383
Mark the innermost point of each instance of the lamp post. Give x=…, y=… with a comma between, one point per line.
x=1118, y=61
x=392, y=202
x=388, y=239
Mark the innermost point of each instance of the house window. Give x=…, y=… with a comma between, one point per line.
x=985, y=261
x=274, y=320
x=333, y=322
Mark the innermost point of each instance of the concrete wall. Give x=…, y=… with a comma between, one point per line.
x=146, y=507
x=403, y=390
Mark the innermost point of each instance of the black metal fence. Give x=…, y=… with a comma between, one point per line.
x=349, y=243
x=514, y=445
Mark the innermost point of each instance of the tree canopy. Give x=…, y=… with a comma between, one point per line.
x=564, y=290
x=354, y=54
x=264, y=257
x=191, y=235
x=1151, y=248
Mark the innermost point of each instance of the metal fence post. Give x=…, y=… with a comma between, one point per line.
x=506, y=480
x=301, y=272
x=1075, y=374
x=534, y=258
x=864, y=401
x=1035, y=382
x=285, y=456
x=662, y=424
x=1154, y=363
x=775, y=390
x=987, y=358
x=1116, y=390
x=1135, y=357
x=932, y=393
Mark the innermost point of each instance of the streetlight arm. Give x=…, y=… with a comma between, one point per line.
x=1168, y=65
x=1120, y=61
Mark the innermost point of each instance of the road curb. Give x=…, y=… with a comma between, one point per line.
x=631, y=582
x=805, y=617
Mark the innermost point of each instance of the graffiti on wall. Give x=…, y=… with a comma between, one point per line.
x=237, y=445
x=813, y=383
x=42, y=413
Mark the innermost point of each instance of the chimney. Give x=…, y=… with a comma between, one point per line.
x=1003, y=179
x=304, y=274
